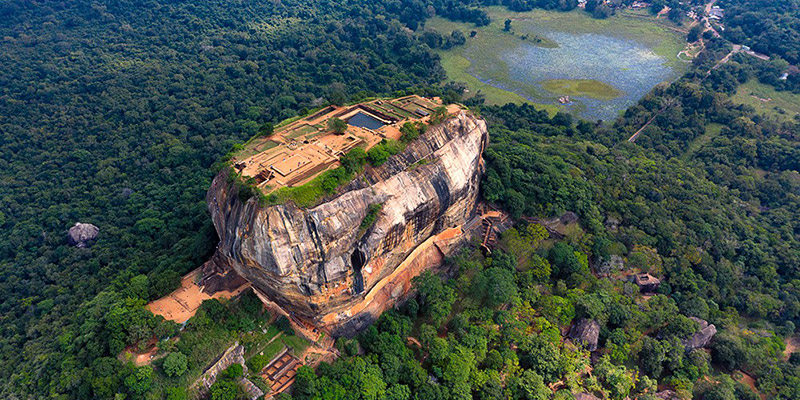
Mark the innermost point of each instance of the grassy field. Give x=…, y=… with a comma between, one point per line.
x=783, y=106
x=491, y=41
x=581, y=87
x=712, y=130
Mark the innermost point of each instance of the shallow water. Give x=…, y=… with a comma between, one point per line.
x=625, y=64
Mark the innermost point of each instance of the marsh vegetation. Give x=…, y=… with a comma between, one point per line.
x=604, y=66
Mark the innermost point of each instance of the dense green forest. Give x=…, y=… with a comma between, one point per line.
x=767, y=26
x=114, y=113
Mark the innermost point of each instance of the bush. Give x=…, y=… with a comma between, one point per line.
x=409, y=131
x=372, y=215
x=337, y=125
x=177, y=393
x=257, y=363
x=382, y=151
x=174, y=364
x=233, y=371
x=283, y=324
x=140, y=380
x=354, y=160
x=225, y=390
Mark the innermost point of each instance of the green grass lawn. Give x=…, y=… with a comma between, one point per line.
x=582, y=87
x=783, y=106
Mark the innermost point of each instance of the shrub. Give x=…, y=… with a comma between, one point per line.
x=337, y=125
x=257, y=363
x=225, y=390
x=174, y=364
x=233, y=371
x=177, y=393
x=409, y=131
x=372, y=215
x=283, y=324
x=382, y=151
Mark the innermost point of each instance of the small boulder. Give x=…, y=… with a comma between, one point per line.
x=612, y=224
x=667, y=395
x=568, y=218
x=82, y=234
x=586, y=331
x=586, y=396
x=702, y=337
x=612, y=264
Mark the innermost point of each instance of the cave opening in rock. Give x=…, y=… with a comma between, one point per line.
x=357, y=260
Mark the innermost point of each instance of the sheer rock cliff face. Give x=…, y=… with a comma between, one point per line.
x=318, y=263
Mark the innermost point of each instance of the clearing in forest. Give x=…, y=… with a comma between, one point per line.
x=183, y=302
x=784, y=106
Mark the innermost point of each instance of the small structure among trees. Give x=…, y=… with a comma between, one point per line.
x=647, y=283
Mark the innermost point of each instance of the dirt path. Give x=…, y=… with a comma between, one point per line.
x=749, y=381
x=736, y=48
x=792, y=344
x=181, y=304
x=639, y=132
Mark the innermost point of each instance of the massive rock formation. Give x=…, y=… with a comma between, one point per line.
x=319, y=265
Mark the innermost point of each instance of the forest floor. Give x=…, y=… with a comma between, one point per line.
x=183, y=302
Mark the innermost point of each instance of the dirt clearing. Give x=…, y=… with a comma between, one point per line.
x=181, y=304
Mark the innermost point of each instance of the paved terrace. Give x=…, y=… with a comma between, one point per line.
x=301, y=150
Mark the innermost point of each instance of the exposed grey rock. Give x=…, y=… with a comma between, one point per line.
x=568, y=218
x=252, y=391
x=80, y=235
x=700, y=322
x=233, y=355
x=316, y=264
x=612, y=223
x=586, y=331
x=614, y=263
x=667, y=395
x=586, y=396
x=702, y=337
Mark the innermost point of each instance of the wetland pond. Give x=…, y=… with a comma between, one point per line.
x=604, y=69
x=601, y=74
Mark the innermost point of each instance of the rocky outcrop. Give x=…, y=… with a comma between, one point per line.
x=318, y=264
x=81, y=235
x=586, y=331
x=702, y=337
x=667, y=395
x=233, y=355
